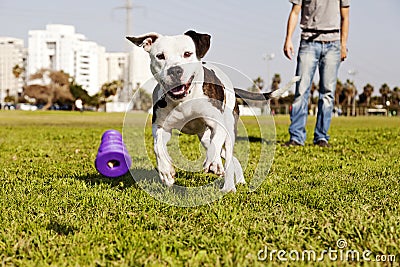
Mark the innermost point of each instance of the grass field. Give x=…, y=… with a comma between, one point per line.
x=55, y=209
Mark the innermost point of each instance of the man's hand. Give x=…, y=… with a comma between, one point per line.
x=343, y=52
x=288, y=49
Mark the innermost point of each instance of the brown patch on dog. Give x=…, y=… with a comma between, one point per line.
x=214, y=89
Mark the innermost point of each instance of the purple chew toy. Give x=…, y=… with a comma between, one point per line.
x=112, y=159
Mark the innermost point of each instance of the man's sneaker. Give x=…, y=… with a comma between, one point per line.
x=292, y=143
x=322, y=143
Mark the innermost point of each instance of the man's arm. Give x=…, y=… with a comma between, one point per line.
x=288, y=48
x=344, y=31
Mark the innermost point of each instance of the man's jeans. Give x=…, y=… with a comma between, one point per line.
x=327, y=57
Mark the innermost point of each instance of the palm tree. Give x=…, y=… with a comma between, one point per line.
x=338, y=92
x=258, y=85
x=396, y=96
x=276, y=80
x=9, y=98
x=111, y=88
x=108, y=90
x=348, y=96
x=349, y=92
x=145, y=100
x=385, y=92
x=314, y=88
x=365, y=96
x=17, y=71
x=78, y=91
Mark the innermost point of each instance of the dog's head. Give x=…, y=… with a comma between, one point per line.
x=175, y=60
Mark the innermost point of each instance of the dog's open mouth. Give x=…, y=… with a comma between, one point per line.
x=181, y=90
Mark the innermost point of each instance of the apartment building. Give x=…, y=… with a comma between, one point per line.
x=117, y=66
x=59, y=47
x=12, y=55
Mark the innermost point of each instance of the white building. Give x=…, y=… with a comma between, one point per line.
x=116, y=66
x=12, y=53
x=133, y=68
x=140, y=67
x=59, y=47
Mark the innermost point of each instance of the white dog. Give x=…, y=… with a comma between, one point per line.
x=195, y=99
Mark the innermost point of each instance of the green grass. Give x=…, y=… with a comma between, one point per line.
x=55, y=209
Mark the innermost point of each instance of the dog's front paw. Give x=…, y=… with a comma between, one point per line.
x=215, y=167
x=240, y=180
x=227, y=189
x=167, y=176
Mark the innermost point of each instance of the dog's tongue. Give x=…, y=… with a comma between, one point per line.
x=178, y=90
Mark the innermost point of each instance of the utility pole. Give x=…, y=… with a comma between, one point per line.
x=354, y=73
x=128, y=87
x=124, y=94
x=269, y=57
x=128, y=7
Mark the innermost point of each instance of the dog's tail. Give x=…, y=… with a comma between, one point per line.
x=246, y=95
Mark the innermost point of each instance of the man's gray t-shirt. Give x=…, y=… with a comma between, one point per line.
x=320, y=15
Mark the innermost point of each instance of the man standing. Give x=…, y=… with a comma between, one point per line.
x=325, y=25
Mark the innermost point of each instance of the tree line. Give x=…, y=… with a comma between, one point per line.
x=46, y=88
x=345, y=95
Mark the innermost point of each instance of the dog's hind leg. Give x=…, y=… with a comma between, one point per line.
x=229, y=185
x=239, y=177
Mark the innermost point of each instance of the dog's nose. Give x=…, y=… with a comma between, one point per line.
x=175, y=72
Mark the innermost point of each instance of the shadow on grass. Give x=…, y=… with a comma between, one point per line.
x=187, y=192
x=61, y=229
x=122, y=182
x=253, y=139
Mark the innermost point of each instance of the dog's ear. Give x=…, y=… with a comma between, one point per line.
x=145, y=41
x=202, y=42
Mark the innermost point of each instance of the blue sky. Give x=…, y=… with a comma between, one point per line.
x=242, y=31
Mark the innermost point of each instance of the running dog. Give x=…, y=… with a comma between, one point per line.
x=195, y=98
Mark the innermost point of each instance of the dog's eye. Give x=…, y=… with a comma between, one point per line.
x=187, y=54
x=160, y=56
